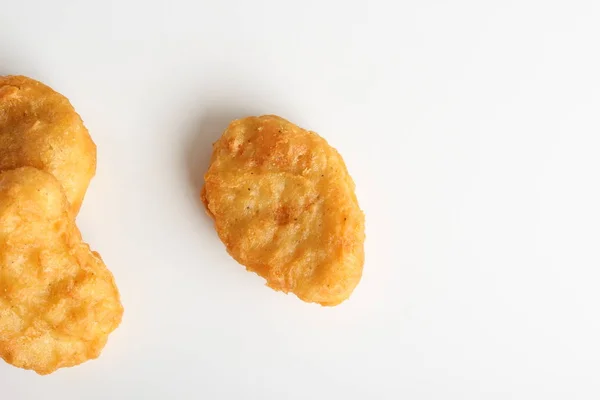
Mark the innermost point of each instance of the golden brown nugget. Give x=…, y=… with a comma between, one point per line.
x=40, y=128
x=58, y=301
x=284, y=206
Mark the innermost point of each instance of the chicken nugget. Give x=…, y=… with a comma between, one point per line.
x=284, y=205
x=58, y=301
x=40, y=128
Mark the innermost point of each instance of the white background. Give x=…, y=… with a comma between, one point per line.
x=471, y=129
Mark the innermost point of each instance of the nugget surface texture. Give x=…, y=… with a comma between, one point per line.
x=284, y=206
x=40, y=128
x=58, y=301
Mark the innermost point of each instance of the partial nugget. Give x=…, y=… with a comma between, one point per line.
x=58, y=301
x=40, y=128
x=285, y=207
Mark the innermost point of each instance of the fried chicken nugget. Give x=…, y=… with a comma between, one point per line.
x=40, y=128
x=284, y=206
x=58, y=301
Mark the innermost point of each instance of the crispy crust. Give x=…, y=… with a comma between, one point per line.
x=284, y=206
x=58, y=301
x=40, y=128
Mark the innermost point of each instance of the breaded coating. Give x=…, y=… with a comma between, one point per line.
x=284, y=206
x=58, y=301
x=40, y=128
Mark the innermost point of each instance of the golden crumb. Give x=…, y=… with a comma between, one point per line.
x=40, y=128
x=284, y=206
x=58, y=301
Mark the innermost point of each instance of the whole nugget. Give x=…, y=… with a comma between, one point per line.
x=40, y=128
x=284, y=206
x=58, y=301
